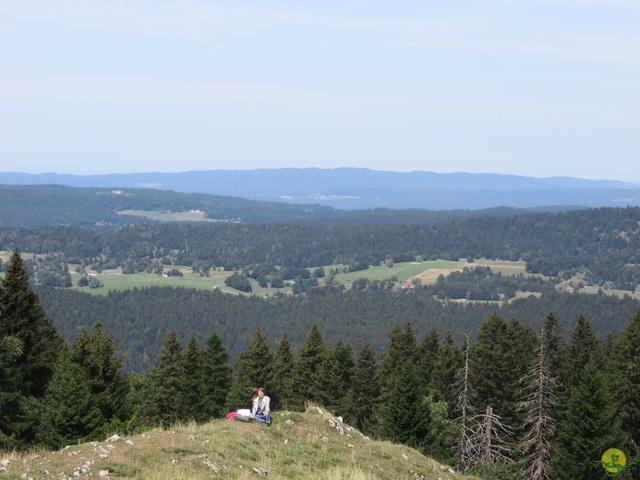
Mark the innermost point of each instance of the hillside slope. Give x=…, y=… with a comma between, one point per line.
x=310, y=445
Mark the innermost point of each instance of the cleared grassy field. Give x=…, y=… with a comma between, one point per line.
x=428, y=272
x=403, y=271
x=191, y=216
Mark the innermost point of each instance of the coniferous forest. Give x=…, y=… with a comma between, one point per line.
x=537, y=387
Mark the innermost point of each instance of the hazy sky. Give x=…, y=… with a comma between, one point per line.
x=528, y=87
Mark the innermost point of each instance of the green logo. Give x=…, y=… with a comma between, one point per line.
x=614, y=462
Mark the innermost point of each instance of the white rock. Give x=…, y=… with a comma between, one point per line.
x=113, y=438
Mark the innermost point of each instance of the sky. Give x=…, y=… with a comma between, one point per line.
x=538, y=88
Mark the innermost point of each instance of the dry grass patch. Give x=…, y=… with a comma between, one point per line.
x=310, y=445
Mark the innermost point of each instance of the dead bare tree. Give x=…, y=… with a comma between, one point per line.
x=488, y=439
x=481, y=435
x=466, y=451
x=537, y=402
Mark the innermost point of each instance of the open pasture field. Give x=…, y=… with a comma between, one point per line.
x=427, y=272
x=191, y=216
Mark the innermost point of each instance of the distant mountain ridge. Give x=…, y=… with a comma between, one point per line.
x=360, y=188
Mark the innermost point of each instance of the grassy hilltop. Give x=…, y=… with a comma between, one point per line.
x=310, y=445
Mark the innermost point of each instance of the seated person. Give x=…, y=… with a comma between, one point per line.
x=260, y=412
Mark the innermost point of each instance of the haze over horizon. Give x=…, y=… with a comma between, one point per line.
x=538, y=88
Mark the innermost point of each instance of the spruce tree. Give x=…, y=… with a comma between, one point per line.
x=427, y=354
x=283, y=395
x=626, y=380
x=589, y=428
x=345, y=363
x=163, y=407
x=364, y=394
x=583, y=347
x=554, y=344
x=329, y=386
x=407, y=418
x=402, y=349
x=191, y=389
x=215, y=378
x=12, y=415
x=22, y=317
x=252, y=370
x=70, y=414
x=500, y=358
x=96, y=354
x=446, y=367
x=312, y=355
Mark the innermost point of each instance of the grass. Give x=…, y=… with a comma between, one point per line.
x=298, y=445
x=191, y=216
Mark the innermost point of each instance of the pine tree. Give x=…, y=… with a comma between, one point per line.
x=589, y=428
x=70, y=413
x=22, y=317
x=626, y=382
x=163, y=407
x=554, y=344
x=500, y=357
x=191, y=389
x=312, y=354
x=402, y=349
x=446, y=367
x=427, y=355
x=537, y=403
x=345, y=363
x=407, y=418
x=12, y=415
x=252, y=370
x=583, y=347
x=329, y=387
x=283, y=395
x=215, y=378
x=96, y=354
x=364, y=395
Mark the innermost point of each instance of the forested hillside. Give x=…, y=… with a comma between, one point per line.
x=101, y=208
x=141, y=319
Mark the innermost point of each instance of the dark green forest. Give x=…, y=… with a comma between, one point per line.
x=140, y=319
x=475, y=403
